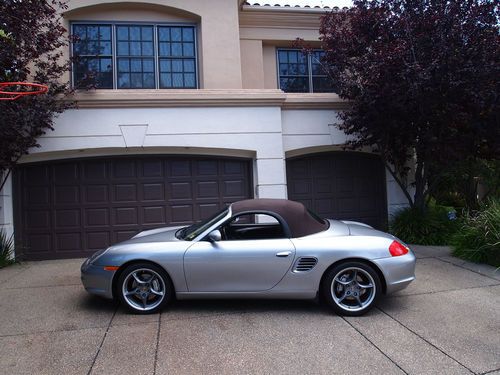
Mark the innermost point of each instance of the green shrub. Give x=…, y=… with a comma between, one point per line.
x=478, y=239
x=6, y=249
x=429, y=227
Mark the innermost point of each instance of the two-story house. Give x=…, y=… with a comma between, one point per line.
x=198, y=104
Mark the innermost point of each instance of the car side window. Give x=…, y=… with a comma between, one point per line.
x=252, y=226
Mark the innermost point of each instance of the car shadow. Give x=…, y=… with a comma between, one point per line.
x=222, y=306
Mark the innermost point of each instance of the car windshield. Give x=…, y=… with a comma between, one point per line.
x=191, y=232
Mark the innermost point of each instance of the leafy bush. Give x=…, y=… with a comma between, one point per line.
x=429, y=227
x=6, y=249
x=478, y=239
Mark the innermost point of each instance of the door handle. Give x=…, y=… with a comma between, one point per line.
x=283, y=254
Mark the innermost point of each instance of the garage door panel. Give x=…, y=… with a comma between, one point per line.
x=152, y=168
x=124, y=169
x=96, y=193
x=125, y=193
x=107, y=200
x=181, y=190
x=64, y=195
x=342, y=185
x=97, y=240
x=207, y=189
x=69, y=242
x=95, y=217
x=67, y=219
x=37, y=195
x=125, y=216
x=96, y=170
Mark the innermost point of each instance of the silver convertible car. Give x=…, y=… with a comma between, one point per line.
x=259, y=248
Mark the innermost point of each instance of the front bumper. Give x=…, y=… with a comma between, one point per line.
x=96, y=280
x=398, y=271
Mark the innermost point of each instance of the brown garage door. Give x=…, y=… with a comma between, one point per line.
x=340, y=185
x=68, y=209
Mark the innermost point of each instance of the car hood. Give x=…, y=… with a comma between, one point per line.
x=166, y=234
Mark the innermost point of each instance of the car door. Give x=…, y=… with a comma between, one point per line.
x=237, y=264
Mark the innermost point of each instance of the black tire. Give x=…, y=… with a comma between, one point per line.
x=144, y=282
x=351, y=296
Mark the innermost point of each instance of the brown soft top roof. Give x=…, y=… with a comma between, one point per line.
x=299, y=220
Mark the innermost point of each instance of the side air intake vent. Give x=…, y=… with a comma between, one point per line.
x=305, y=264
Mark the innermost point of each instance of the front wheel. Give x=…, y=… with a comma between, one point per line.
x=351, y=288
x=144, y=288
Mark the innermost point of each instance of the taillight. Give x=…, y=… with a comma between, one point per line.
x=396, y=249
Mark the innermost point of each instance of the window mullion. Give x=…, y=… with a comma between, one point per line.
x=156, y=54
x=309, y=63
x=114, y=52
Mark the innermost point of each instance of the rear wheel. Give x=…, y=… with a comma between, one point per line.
x=351, y=288
x=144, y=288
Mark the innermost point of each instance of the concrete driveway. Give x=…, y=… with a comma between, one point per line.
x=447, y=322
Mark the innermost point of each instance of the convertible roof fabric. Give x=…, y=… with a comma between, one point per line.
x=299, y=220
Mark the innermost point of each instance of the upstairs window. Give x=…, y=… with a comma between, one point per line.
x=302, y=72
x=130, y=56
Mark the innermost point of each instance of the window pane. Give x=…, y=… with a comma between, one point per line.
x=135, y=65
x=105, y=33
x=79, y=32
x=189, y=80
x=294, y=84
x=79, y=48
x=164, y=34
x=135, y=49
x=123, y=65
x=187, y=34
x=165, y=65
x=123, y=49
x=282, y=57
x=165, y=80
x=323, y=84
x=134, y=33
x=122, y=32
x=93, y=47
x=106, y=65
x=188, y=49
x=293, y=57
x=177, y=65
x=176, y=49
x=123, y=80
x=176, y=34
x=189, y=65
x=136, y=80
x=148, y=65
x=105, y=48
x=149, y=80
x=177, y=80
x=93, y=32
x=147, y=48
x=147, y=33
x=164, y=49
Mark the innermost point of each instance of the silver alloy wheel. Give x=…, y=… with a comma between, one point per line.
x=353, y=289
x=143, y=289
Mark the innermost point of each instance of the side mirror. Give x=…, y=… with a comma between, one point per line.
x=215, y=236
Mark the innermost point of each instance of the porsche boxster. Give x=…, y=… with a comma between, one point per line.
x=259, y=248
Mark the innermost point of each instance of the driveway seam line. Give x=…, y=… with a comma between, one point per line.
x=157, y=344
x=69, y=330
x=465, y=268
x=39, y=286
x=424, y=339
x=490, y=371
x=443, y=291
x=373, y=344
x=102, y=342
